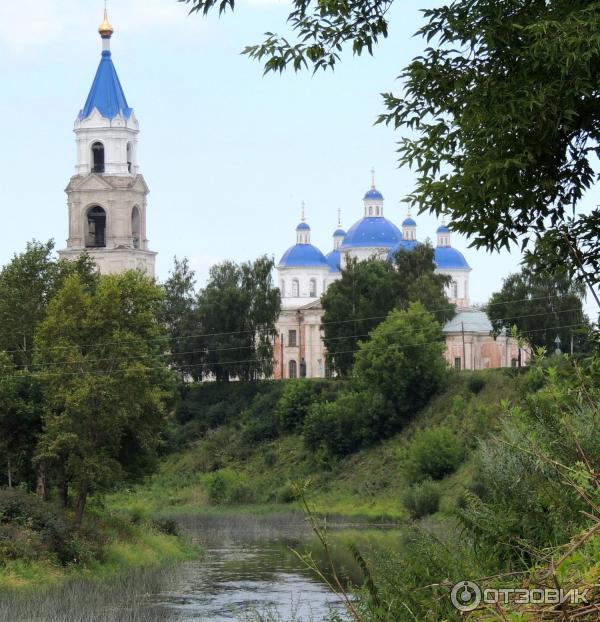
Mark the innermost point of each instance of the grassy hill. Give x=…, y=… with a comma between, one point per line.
x=223, y=470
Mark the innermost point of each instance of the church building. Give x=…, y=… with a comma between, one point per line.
x=107, y=195
x=305, y=273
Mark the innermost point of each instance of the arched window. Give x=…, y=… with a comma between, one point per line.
x=282, y=288
x=98, y=158
x=295, y=288
x=313, y=288
x=129, y=157
x=135, y=226
x=96, y=228
x=293, y=369
x=454, y=289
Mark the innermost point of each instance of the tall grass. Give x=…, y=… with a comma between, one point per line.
x=125, y=600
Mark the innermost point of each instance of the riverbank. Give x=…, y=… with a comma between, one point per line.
x=106, y=546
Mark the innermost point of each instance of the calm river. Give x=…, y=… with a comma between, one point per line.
x=248, y=573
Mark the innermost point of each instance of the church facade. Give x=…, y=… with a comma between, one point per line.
x=304, y=273
x=107, y=195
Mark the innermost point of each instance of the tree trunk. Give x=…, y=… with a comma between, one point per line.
x=9, y=473
x=64, y=493
x=81, y=501
x=40, y=489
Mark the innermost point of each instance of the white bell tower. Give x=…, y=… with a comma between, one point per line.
x=107, y=195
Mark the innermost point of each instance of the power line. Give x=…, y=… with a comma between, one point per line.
x=209, y=351
x=232, y=363
x=166, y=339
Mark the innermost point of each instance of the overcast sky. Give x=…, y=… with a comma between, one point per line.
x=229, y=155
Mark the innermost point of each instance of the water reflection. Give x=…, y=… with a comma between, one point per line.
x=249, y=567
x=248, y=573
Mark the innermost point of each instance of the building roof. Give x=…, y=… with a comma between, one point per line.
x=339, y=233
x=409, y=222
x=334, y=259
x=471, y=320
x=106, y=94
x=302, y=227
x=443, y=229
x=406, y=245
x=372, y=232
x=303, y=255
x=449, y=258
x=373, y=195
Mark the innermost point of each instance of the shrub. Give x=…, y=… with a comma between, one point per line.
x=167, y=526
x=229, y=487
x=476, y=384
x=433, y=453
x=298, y=398
x=26, y=516
x=286, y=494
x=353, y=421
x=422, y=499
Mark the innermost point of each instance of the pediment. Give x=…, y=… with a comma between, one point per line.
x=140, y=185
x=90, y=183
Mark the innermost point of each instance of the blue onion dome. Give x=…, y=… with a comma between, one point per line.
x=406, y=245
x=409, y=222
x=339, y=233
x=449, y=258
x=302, y=227
x=303, y=256
x=334, y=259
x=373, y=195
x=372, y=232
x=443, y=229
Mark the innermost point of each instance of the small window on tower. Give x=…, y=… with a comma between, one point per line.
x=292, y=340
x=98, y=158
x=129, y=158
x=313, y=288
x=295, y=288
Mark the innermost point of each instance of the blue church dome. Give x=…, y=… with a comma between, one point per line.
x=372, y=232
x=302, y=227
x=443, y=229
x=374, y=195
x=449, y=258
x=303, y=255
x=405, y=245
x=338, y=233
x=409, y=222
x=106, y=94
x=334, y=259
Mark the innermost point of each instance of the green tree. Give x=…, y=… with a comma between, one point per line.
x=404, y=360
x=20, y=420
x=237, y=311
x=395, y=374
x=180, y=317
x=500, y=111
x=542, y=306
x=368, y=290
x=100, y=356
x=27, y=284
